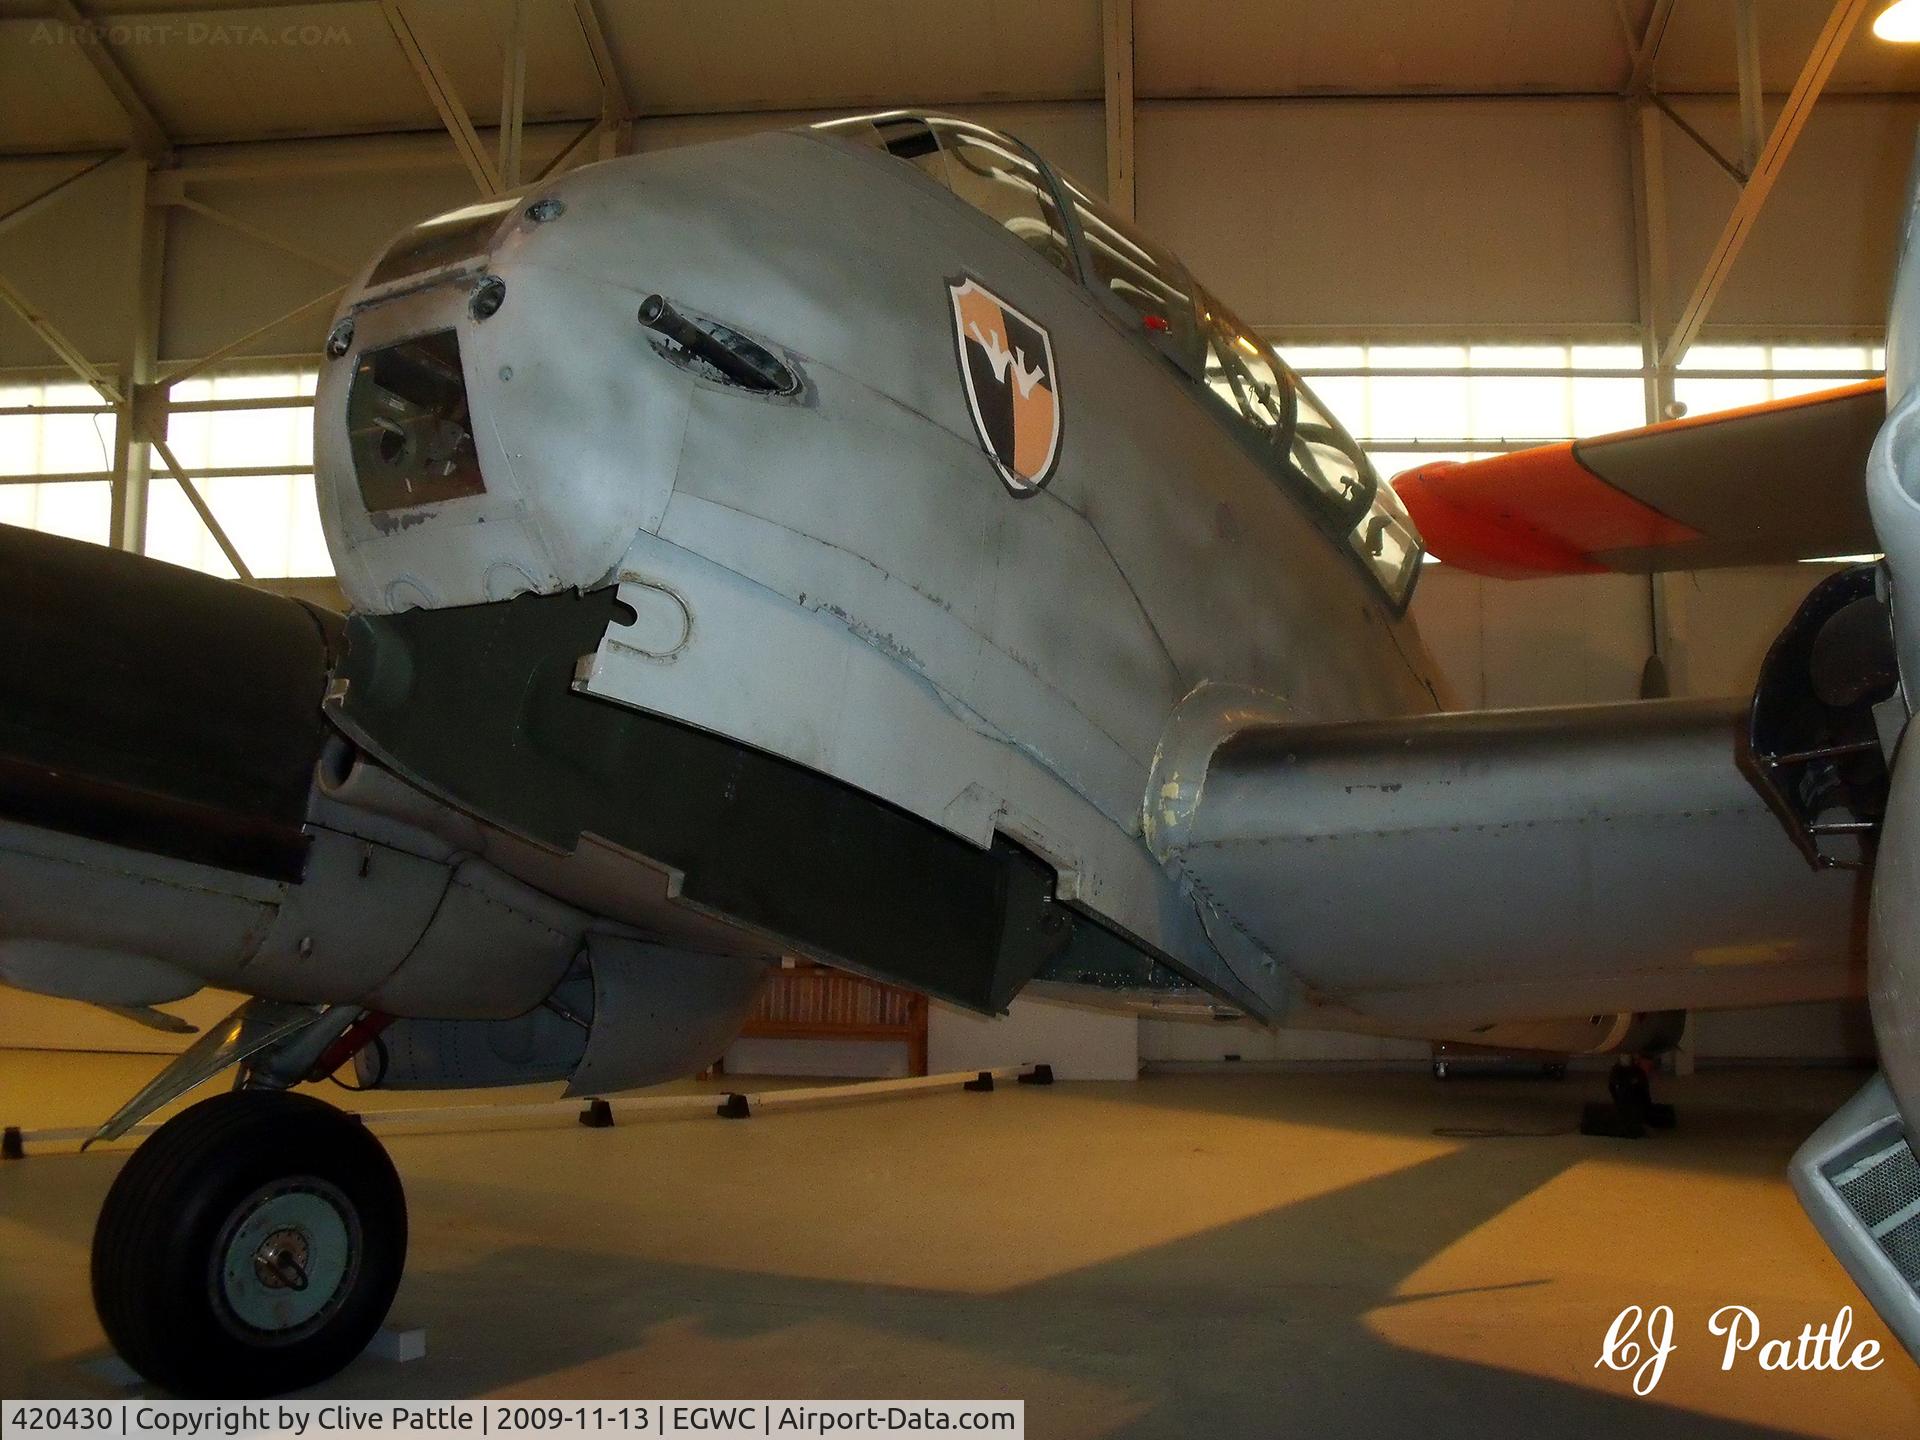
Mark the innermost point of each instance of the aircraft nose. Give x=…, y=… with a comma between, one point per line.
x=410, y=428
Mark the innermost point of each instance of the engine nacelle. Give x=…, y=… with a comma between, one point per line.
x=1858, y=1175
x=635, y=1014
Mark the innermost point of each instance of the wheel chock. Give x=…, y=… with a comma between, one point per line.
x=597, y=1116
x=981, y=1084
x=734, y=1107
x=1039, y=1075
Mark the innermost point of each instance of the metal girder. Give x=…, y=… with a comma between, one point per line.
x=1653, y=280
x=613, y=94
x=575, y=150
x=195, y=499
x=1653, y=268
x=440, y=91
x=193, y=367
x=1739, y=175
x=1841, y=22
x=1647, y=53
x=1116, y=46
x=34, y=204
x=147, y=241
x=264, y=237
x=513, y=96
x=1753, y=119
x=149, y=137
x=55, y=341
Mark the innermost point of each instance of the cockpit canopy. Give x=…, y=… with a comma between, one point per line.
x=1144, y=286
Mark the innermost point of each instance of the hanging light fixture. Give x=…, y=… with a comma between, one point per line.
x=1899, y=22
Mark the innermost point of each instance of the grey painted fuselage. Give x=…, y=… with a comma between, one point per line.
x=840, y=578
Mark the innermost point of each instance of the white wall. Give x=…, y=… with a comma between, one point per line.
x=1080, y=1043
x=1361, y=214
x=843, y=1059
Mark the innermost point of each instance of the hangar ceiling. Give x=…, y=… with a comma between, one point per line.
x=212, y=71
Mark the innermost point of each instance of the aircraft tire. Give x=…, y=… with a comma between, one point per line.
x=251, y=1246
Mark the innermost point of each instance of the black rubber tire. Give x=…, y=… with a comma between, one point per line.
x=153, y=1246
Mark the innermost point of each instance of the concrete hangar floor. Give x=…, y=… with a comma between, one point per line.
x=1192, y=1255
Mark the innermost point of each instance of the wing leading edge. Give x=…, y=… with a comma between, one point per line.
x=1768, y=483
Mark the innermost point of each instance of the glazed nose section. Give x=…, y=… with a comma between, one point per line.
x=491, y=420
x=409, y=426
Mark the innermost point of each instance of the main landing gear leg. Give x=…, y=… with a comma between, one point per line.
x=1631, y=1109
x=253, y=1244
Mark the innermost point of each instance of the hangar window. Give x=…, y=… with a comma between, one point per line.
x=1415, y=403
x=246, y=438
x=986, y=170
x=56, y=451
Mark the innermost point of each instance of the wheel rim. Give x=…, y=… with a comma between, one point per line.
x=285, y=1260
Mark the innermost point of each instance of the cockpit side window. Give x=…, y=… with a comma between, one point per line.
x=1300, y=434
x=1321, y=451
x=1379, y=529
x=1240, y=371
x=985, y=169
x=1141, y=280
x=990, y=174
x=1147, y=286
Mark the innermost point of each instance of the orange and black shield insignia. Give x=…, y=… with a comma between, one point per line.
x=1013, y=392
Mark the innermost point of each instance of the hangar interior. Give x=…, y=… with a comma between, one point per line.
x=1474, y=227
x=1460, y=223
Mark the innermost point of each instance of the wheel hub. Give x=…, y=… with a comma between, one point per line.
x=281, y=1261
x=286, y=1259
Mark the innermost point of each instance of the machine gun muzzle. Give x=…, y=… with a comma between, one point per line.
x=736, y=357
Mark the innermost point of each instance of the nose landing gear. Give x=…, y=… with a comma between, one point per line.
x=252, y=1245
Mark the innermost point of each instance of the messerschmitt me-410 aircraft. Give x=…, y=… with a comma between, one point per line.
x=859, y=543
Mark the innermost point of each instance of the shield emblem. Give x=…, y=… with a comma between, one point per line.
x=1013, y=393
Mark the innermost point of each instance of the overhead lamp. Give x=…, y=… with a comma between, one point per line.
x=1899, y=23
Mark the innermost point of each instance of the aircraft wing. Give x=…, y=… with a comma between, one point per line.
x=1774, y=482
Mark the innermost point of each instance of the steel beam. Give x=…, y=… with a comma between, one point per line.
x=263, y=237
x=616, y=139
x=1841, y=22
x=1647, y=54
x=1116, y=46
x=1738, y=175
x=148, y=135
x=613, y=94
x=206, y=472
x=453, y=114
x=1753, y=119
x=34, y=204
x=1652, y=263
x=57, y=342
x=193, y=367
x=513, y=96
x=195, y=499
x=147, y=241
x=576, y=150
